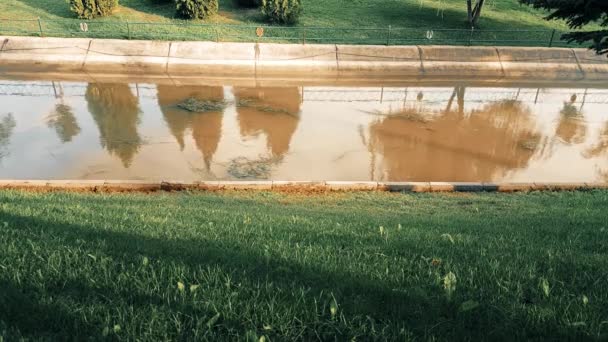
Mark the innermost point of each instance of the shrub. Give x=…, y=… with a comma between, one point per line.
x=196, y=9
x=249, y=3
x=282, y=11
x=89, y=9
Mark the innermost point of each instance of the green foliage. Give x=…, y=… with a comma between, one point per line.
x=196, y=9
x=248, y=3
x=498, y=19
x=282, y=11
x=579, y=14
x=89, y=9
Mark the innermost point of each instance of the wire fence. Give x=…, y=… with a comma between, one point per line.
x=179, y=30
x=431, y=95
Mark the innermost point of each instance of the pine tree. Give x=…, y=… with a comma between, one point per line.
x=578, y=14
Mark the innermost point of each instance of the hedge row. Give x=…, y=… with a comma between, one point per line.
x=276, y=11
x=89, y=9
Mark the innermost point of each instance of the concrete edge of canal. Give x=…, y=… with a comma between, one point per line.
x=289, y=186
x=97, y=57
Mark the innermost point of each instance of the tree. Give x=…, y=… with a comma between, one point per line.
x=282, y=11
x=578, y=14
x=473, y=13
x=89, y=9
x=196, y=9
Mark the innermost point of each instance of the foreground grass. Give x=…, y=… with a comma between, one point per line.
x=333, y=15
x=352, y=266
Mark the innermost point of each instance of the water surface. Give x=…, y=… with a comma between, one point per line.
x=71, y=130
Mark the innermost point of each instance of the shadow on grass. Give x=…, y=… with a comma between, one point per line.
x=52, y=7
x=23, y=315
x=426, y=17
x=166, y=9
x=160, y=8
x=382, y=13
x=357, y=296
x=419, y=310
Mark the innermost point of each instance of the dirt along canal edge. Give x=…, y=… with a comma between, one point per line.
x=102, y=186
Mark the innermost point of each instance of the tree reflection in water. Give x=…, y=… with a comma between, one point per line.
x=116, y=112
x=63, y=121
x=275, y=112
x=601, y=147
x=571, y=128
x=7, y=125
x=206, y=127
x=451, y=145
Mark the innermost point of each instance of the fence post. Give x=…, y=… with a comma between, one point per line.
x=304, y=36
x=217, y=34
x=552, y=36
x=128, y=30
x=388, y=36
x=40, y=27
x=471, y=36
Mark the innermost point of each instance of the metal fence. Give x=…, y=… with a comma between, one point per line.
x=184, y=30
x=432, y=95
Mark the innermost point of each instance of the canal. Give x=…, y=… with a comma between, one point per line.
x=446, y=132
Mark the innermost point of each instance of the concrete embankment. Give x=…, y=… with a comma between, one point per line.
x=181, y=60
x=289, y=186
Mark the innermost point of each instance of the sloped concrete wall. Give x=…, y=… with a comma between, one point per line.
x=456, y=60
x=555, y=63
x=51, y=53
x=120, y=56
x=196, y=58
x=304, y=62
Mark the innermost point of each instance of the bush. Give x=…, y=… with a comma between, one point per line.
x=282, y=11
x=89, y=9
x=249, y=3
x=196, y=9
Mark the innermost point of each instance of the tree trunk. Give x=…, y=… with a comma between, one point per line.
x=469, y=12
x=477, y=11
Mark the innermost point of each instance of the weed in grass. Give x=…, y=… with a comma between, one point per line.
x=544, y=285
x=469, y=305
x=448, y=237
x=449, y=284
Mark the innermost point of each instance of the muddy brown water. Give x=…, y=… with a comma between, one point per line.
x=72, y=130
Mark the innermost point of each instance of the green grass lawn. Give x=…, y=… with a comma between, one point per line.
x=334, y=19
x=360, y=266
